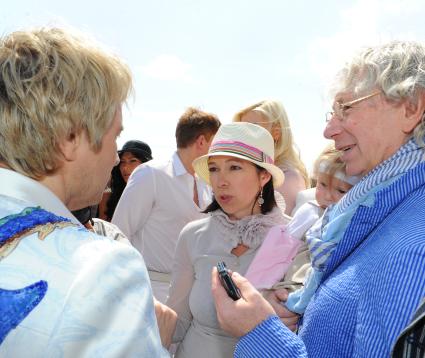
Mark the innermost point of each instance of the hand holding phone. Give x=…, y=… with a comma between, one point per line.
x=227, y=282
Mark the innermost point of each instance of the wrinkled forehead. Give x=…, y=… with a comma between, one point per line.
x=343, y=96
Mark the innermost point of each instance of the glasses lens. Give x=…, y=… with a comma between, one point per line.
x=329, y=116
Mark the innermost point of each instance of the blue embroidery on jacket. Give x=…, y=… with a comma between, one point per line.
x=28, y=218
x=15, y=305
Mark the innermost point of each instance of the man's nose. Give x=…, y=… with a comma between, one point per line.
x=333, y=127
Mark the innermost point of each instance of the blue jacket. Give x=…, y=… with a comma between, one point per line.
x=373, y=283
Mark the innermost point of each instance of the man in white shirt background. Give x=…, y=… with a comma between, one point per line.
x=161, y=198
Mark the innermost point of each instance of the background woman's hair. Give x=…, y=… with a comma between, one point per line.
x=286, y=154
x=117, y=186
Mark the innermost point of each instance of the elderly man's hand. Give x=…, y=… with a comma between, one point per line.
x=275, y=298
x=241, y=316
x=167, y=320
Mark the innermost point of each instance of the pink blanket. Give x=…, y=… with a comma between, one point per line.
x=273, y=258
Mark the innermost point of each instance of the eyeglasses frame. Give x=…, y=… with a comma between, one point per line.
x=342, y=107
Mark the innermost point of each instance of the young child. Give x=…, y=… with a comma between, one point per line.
x=277, y=251
x=332, y=185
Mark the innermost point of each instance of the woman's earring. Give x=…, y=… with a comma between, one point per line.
x=260, y=200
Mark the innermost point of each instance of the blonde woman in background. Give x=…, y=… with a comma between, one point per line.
x=271, y=115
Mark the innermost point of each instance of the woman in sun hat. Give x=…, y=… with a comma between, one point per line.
x=239, y=167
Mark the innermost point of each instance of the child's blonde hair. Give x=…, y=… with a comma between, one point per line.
x=328, y=162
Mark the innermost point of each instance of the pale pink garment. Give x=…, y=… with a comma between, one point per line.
x=273, y=258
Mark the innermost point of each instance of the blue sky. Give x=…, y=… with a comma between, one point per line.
x=223, y=55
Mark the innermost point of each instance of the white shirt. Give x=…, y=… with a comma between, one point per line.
x=304, y=196
x=305, y=217
x=155, y=205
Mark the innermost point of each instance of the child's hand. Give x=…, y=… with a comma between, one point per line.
x=276, y=298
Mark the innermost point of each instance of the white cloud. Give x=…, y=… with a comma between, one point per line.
x=154, y=127
x=168, y=68
x=366, y=23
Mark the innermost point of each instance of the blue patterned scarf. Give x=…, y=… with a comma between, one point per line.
x=335, y=221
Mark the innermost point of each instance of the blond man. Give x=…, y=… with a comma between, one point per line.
x=64, y=290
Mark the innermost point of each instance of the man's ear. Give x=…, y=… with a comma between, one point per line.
x=69, y=146
x=201, y=141
x=414, y=111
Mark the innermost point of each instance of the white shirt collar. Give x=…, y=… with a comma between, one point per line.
x=178, y=166
x=24, y=188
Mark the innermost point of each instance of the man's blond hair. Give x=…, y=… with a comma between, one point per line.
x=54, y=84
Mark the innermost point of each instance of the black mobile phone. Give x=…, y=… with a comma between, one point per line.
x=227, y=282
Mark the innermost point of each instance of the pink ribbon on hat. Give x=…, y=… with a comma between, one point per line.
x=240, y=148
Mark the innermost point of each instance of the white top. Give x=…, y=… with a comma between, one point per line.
x=155, y=205
x=304, y=219
x=98, y=300
x=302, y=197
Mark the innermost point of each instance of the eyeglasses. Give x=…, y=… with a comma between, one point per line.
x=340, y=109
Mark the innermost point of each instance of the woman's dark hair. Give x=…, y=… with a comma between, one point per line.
x=268, y=196
x=118, y=185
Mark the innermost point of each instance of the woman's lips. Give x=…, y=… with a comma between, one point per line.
x=224, y=198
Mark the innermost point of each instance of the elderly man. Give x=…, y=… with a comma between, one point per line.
x=373, y=277
x=65, y=291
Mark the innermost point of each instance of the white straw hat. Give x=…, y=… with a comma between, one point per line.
x=245, y=141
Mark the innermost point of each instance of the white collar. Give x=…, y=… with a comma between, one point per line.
x=178, y=166
x=24, y=188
